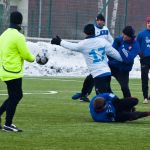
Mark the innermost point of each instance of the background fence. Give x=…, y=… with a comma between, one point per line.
x=47, y=18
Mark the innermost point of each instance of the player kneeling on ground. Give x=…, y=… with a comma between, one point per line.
x=109, y=108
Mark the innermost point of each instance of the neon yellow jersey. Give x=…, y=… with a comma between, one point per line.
x=13, y=52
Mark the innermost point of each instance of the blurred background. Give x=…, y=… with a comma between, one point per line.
x=47, y=18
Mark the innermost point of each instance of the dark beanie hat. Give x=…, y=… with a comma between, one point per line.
x=89, y=29
x=129, y=31
x=16, y=17
x=100, y=17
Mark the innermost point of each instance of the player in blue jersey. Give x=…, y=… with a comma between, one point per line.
x=144, y=41
x=107, y=107
x=128, y=48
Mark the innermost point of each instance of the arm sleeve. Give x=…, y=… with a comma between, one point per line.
x=110, y=38
x=23, y=49
x=71, y=46
x=110, y=51
x=117, y=42
x=128, y=56
x=139, y=40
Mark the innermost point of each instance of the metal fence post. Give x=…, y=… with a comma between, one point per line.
x=126, y=12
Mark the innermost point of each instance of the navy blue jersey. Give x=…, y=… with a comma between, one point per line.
x=143, y=39
x=128, y=51
x=104, y=116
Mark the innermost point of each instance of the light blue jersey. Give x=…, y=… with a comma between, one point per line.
x=95, y=51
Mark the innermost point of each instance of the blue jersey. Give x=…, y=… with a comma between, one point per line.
x=103, y=116
x=128, y=51
x=143, y=39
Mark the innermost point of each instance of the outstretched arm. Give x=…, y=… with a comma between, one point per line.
x=112, y=52
x=69, y=45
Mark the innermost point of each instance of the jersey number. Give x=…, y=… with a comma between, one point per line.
x=97, y=55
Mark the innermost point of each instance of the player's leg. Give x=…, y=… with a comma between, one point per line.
x=86, y=89
x=123, y=79
x=3, y=107
x=87, y=86
x=102, y=84
x=129, y=116
x=14, y=88
x=125, y=104
x=144, y=79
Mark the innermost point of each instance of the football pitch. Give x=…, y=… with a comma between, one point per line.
x=51, y=120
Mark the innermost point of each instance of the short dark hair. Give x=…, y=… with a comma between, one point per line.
x=99, y=104
x=100, y=17
x=89, y=29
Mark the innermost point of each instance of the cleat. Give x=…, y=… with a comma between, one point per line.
x=84, y=99
x=76, y=96
x=11, y=128
x=145, y=101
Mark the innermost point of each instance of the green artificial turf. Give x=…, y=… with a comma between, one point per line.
x=56, y=122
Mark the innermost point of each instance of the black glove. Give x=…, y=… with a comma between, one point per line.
x=56, y=40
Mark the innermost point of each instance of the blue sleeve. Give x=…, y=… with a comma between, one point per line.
x=128, y=57
x=139, y=40
x=117, y=43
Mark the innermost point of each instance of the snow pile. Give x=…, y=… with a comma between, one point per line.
x=63, y=62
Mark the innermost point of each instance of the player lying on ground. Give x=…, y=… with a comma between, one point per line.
x=107, y=107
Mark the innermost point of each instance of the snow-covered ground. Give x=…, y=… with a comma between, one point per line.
x=63, y=62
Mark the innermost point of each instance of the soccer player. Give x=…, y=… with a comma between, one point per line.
x=103, y=32
x=107, y=107
x=128, y=48
x=143, y=39
x=13, y=52
x=94, y=50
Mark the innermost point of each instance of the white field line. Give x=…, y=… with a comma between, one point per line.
x=34, y=92
x=63, y=80
x=56, y=92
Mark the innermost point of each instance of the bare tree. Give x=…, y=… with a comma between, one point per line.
x=114, y=17
x=100, y=5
